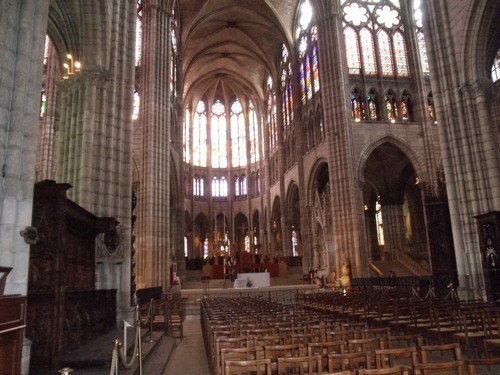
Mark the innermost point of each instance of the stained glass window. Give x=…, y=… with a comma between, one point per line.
x=285, y=83
x=303, y=82
x=315, y=72
x=198, y=186
x=137, y=102
x=307, y=36
x=387, y=16
x=371, y=100
x=200, y=135
x=385, y=53
x=43, y=102
x=400, y=54
x=369, y=64
x=187, y=136
x=369, y=26
x=271, y=115
x=286, y=118
x=357, y=106
x=406, y=106
x=254, y=135
x=240, y=186
x=238, y=144
x=423, y=53
x=173, y=54
x=295, y=243
x=495, y=68
x=237, y=192
x=391, y=106
x=218, y=139
x=417, y=16
x=243, y=182
x=352, y=51
x=138, y=36
x=46, y=50
x=308, y=78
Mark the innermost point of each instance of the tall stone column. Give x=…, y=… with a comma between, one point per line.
x=23, y=24
x=154, y=203
x=49, y=135
x=95, y=151
x=346, y=202
x=468, y=135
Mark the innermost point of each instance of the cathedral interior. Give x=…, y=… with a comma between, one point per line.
x=138, y=136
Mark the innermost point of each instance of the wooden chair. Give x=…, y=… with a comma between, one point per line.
x=476, y=325
x=386, y=358
x=265, y=340
x=439, y=358
x=325, y=348
x=300, y=365
x=255, y=366
x=349, y=334
x=222, y=343
x=382, y=332
x=366, y=346
x=240, y=354
x=348, y=361
x=175, y=314
x=450, y=351
x=273, y=352
x=453, y=367
x=383, y=371
x=479, y=366
x=305, y=338
x=405, y=341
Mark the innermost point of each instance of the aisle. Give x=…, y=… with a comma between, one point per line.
x=189, y=357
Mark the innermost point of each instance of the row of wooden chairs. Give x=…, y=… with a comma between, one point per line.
x=388, y=361
x=259, y=324
x=474, y=324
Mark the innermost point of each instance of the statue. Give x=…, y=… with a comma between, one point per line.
x=345, y=272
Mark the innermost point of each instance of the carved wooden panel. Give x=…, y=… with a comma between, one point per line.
x=64, y=310
x=12, y=324
x=489, y=244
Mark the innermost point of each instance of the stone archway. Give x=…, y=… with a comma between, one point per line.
x=394, y=214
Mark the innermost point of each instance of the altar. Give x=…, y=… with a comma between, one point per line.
x=257, y=279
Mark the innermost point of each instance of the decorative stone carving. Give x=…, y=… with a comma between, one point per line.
x=30, y=235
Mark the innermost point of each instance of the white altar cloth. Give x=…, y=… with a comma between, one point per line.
x=258, y=279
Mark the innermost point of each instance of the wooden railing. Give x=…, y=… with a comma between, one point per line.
x=282, y=294
x=414, y=267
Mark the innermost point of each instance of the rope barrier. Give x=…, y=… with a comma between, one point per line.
x=120, y=351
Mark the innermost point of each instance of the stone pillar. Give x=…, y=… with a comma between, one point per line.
x=467, y=132
x=346, y=203
x=154, y=204
x=49, y=134
x=23, y=25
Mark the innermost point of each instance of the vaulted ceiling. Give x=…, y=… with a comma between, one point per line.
x=229, y=47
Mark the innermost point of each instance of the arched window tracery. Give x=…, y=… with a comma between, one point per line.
x=200, y=135
x=307, y=47
x=374, y=38
x=218, y=134
x=357, y=105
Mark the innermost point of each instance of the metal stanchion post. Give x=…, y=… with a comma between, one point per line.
x=65, y=371
x=151, y=317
